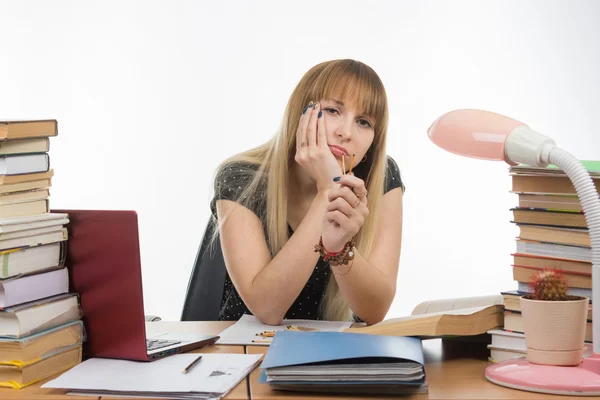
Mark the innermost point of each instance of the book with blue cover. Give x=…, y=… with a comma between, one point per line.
x=344, y=362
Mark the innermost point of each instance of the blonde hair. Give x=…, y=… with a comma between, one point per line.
x=346, y=80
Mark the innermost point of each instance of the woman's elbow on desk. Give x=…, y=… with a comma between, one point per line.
x=268, y=318
x=266, y=313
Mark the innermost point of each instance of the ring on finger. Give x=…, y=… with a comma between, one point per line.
x=362, y=194
x=303, y=144
x=356, y=204
x=351, y=212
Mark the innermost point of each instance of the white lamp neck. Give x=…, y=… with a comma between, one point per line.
x=527, y=146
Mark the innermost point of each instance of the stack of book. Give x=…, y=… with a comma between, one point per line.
x=41, y=331
x=553, y=233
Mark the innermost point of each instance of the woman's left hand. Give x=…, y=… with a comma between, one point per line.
x=346, y=212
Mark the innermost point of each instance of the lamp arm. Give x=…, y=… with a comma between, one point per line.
x=590, y=202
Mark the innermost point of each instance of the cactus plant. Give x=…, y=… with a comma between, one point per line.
x=548, y=284
x=554, y=322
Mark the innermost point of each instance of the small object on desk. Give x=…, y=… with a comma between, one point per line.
x=196, y=361
x=300, y=328
x=266, y=334
x=245, y=329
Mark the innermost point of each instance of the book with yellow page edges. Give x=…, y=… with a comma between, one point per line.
x=35, y=347
x=467, y=316
x=18, y=375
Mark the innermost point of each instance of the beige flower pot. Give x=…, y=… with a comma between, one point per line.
x=555, y=330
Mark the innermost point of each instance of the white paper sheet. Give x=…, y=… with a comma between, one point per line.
x=245, y=330
x=214, y=375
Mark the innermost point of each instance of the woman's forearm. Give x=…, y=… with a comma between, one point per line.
x=278, y=284
x=367, y=290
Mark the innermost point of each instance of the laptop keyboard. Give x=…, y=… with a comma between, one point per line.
x=153, y=344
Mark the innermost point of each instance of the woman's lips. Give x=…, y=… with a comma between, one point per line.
x=338, y=151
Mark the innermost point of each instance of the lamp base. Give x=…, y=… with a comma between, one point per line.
x=580, y=380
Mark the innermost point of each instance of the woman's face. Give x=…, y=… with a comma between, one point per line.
x=347, y=130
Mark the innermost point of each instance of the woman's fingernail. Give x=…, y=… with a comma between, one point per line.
x=316, y=105
x=304, y=111
x=310, y=104
x=320, y=114
x=336, y=179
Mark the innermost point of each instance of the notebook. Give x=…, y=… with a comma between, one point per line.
x=344, y=362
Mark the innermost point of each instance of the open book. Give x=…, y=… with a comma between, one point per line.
x=465, y=316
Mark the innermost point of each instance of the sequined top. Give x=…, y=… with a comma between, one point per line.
x=230, y=183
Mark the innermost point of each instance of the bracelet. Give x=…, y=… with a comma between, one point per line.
x=345, y=273
x=343, y=256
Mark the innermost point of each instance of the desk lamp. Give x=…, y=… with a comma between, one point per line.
x=490, y=136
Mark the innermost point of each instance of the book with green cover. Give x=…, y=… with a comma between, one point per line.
x=592, y=166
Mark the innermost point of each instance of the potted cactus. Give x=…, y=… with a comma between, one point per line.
x=555, y=322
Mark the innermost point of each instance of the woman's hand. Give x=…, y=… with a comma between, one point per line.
x=346, y=212
x=312, y=151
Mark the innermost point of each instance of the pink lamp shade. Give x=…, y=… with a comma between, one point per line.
x=473, y=133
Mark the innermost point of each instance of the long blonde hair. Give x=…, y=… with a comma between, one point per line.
x=346, y=80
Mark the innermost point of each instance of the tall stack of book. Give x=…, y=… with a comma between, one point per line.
x=41, y=331
x=553, y=233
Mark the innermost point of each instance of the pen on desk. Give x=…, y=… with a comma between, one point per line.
x=185, y=371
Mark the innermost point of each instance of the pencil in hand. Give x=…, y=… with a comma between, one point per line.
x=185, y=371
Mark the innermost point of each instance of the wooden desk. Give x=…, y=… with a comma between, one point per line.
x=454, y=370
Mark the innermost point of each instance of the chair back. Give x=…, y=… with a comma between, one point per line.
x=207, y=281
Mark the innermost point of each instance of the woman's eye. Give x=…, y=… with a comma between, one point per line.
x=332, y=110
x=364, y=123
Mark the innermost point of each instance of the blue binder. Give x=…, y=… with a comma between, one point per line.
x=291, y=348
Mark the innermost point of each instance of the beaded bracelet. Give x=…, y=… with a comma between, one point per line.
x=343, y=256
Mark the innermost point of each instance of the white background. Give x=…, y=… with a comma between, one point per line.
x=150, y=96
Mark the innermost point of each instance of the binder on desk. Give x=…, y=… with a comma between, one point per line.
x=344, y=363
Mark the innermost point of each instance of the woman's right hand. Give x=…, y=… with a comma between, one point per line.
x=312, y=151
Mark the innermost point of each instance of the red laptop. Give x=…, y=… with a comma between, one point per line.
x=103, y=256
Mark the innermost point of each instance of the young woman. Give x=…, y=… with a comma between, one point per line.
x=310, y=223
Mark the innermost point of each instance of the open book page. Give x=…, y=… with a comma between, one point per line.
x=248, y=328
x=458, y=311
x=443, y=306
